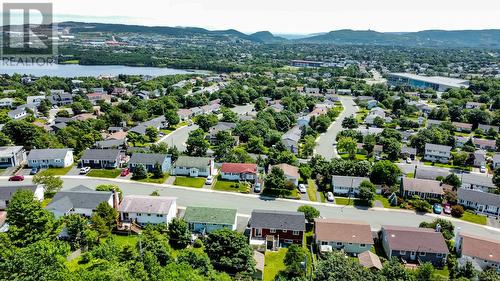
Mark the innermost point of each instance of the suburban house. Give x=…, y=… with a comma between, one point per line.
x=80, y=200
x=479, y=182
x=486, y=128
x=275, y=229
x=238, y=171
x=291, y=139
x=414, y=244
x=6, y=193
x=206, y=220
x=48, y=158
x=143, y=209
x=96, y=97
x=485, y=144
x=423, y=188
x=61, y=98
x=101, y=158
x=18, y=113
x=221, y=126
x=437, y=153
x=408, y=152
x=6, y=102
x=193, y=166
x=473, y=105
x=482, y=202
x=479, y=158
x=291, y=172
x=352, y=237
x=111, y=144
x=184, y=114
x=149, y=160
x=462, y=127
x=12, y=156
x=347, y=185
x=482, y=252
x=34, y=100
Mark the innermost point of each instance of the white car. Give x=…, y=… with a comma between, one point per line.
x=84, y=170
x=302, y=188
x=209, y=180
x=482, y=169
x=329, y=196
x=408, y=160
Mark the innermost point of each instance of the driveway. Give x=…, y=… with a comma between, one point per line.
x=325, y=141
x=179, y=137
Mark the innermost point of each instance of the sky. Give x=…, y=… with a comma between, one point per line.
x=287, y=16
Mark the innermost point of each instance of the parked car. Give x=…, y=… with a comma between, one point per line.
x=84, y=170
x=257, y=188
x=329, y=196
x=378, y=158
x=34, y=171
x=209, y=180
x=302, y=188
x=447, y=209
x=437, y=208
x=482, y=169
x=16, y=178
x=125, y=172
x=408, y=160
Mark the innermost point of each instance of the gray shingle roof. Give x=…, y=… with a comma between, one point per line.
x=146, y=204
x=438, y=147
x=476, y=180
x=78, y=197
x=44, y=154
x=109, y=143
x=147, y=158
x=278, y=220
x=101, y=154
x=193, y=162
x=480, y=197
x=8, y=151
x=6, y=192
x=415, y=239
x=348, y=180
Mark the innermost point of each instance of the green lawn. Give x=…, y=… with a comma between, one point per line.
x=356, y=157
x=322, y=196
x=122, y=240
x=385, y=202
x=444, y=273
x=189, y=182
x=470, y=217
x=103, y=173
x=311, y=190
x=231, y=186
x=59, y=171
x=274, y=263
x=450, y=166
x=2, y=171
x=166, y=131
x=344, y=201
x=150, y=179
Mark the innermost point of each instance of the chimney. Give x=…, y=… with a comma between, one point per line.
x=116, y=200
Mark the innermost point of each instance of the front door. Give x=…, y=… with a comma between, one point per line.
x=413, y=255
x=258, y=232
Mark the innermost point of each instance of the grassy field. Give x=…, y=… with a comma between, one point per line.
x=311, y=190
x=102, y=173
x=150, y=179
x=59, y=171
x=470, y=217
x=231, y=186
x=450, y=166
x=274, y=263
x=123, y=240
x=189, y=182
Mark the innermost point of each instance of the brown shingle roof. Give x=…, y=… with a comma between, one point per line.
x=480, y=247
x=369, y=260
x=414, y=239
x=425, y=186
x=289, y=170
x=343, y=231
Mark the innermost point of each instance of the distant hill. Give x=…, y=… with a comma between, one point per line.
x=428, y=38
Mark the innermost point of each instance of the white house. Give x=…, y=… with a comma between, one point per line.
x=291, y=172
x=144, y=209
x=437, y=153
x=80, y=200
x=6, y=102
x=193, y=166
x=45, y=158
x=34, y=100
x=239, y=171
x=482, y=202
x=346, y=185
x=6, y=193
x=482, y=252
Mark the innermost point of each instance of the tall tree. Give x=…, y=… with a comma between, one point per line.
x=179, y=234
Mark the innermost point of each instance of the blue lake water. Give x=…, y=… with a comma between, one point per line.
x=75, y=70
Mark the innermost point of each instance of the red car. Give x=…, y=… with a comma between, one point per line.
x=16, y=178
x=124, y=172
x=447, y=209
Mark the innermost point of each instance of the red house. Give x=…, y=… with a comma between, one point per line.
x=238, y=171
x=276, y=228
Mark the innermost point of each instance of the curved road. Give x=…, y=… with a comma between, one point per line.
x=325, y=141
x=245, y=203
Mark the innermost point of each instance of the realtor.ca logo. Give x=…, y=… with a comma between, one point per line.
x=28, y=35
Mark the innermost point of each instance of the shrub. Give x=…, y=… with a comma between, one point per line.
x=197, y=243
x=421, y=205
x=457, y=211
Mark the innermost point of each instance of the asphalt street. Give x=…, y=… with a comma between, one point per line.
x=245, y=203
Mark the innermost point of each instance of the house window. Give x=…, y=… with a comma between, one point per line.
x=295, y=232
x=324, y=243
x=149, y=215
x=138, y=214
x=439, y=255
x=402, y=252
x=284, y=230
x=422, y=254
x=258, y=232
x=339, y=244
x=350, y=243
x=272, y=230
x=362, y=245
